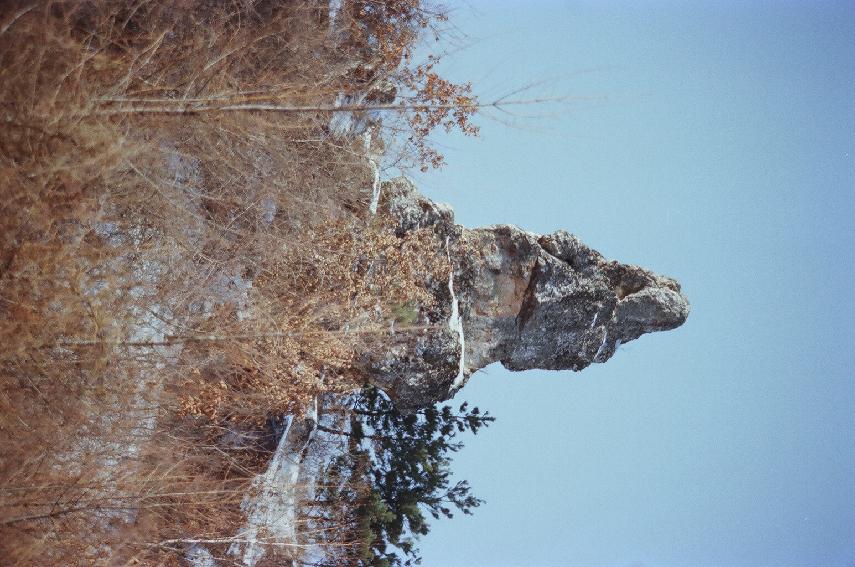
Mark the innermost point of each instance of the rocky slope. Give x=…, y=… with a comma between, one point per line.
x=515, y=297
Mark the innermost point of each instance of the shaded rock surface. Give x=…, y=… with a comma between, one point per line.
x=523, y=299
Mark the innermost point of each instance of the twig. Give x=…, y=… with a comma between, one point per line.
x=181, y=107
x=15, y=17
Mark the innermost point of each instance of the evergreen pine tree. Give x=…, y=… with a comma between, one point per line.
x=402, y=462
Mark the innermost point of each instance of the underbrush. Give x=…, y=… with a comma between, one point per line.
x=186, y=252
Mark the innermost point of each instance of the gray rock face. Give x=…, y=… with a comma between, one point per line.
x=522, y=299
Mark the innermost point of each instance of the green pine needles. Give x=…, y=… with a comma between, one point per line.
x=396, y=474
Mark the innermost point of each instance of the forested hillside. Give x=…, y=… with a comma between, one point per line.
x=190, y=263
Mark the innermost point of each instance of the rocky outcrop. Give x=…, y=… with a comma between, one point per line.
x=515, y=297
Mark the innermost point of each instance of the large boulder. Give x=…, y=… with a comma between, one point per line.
x=515, y=297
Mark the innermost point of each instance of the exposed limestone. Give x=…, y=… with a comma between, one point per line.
x=525, y=300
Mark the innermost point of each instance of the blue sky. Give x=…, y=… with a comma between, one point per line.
x=712, y=142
